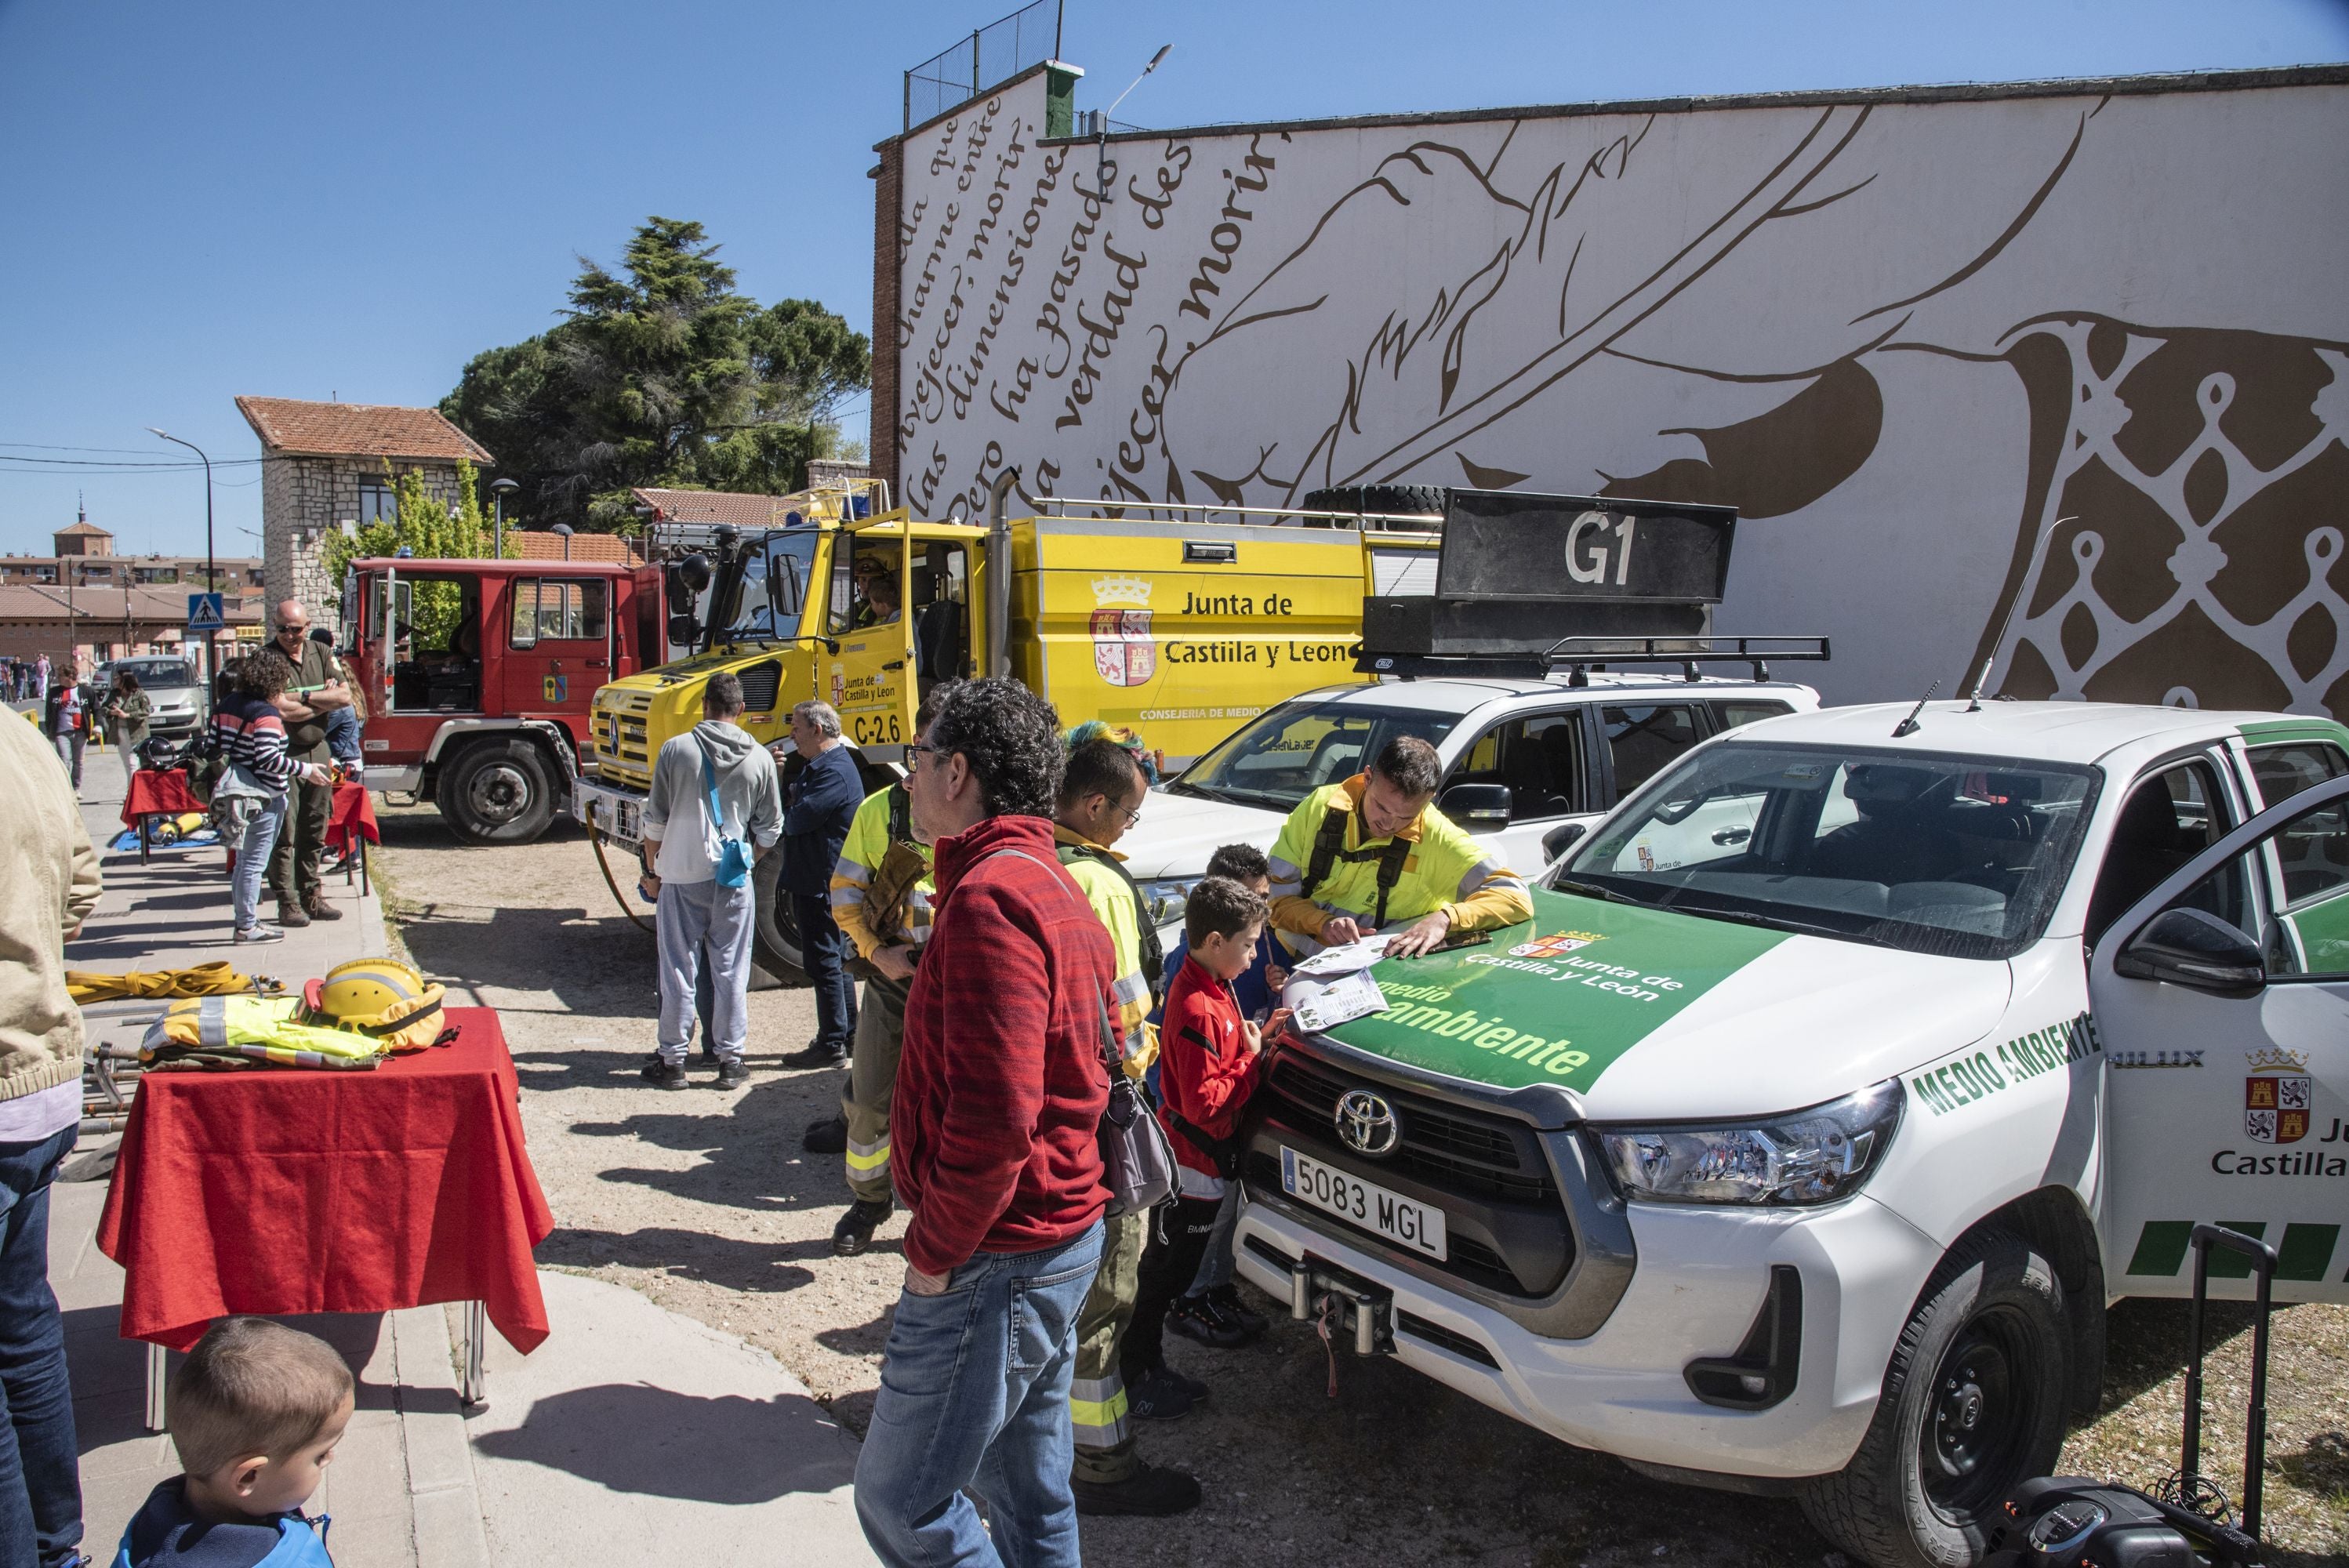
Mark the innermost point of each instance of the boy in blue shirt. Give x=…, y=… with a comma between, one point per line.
x=1212, y=1313
x=255, y=1412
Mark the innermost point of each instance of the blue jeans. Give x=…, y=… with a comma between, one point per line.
x=824, y=954
x=343, y=733
x=40, y=1470
x=253, y=851
x=975, y=1392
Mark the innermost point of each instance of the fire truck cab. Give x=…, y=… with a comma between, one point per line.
x=479, y=676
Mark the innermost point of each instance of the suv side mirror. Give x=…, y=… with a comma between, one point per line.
x=1562, y=838
x=1476, y=807
x=2194, y=948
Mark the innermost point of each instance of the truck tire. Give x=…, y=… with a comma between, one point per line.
x=1973, y=1403
x=1406, y=501
x=775, y=936
x=497, y=791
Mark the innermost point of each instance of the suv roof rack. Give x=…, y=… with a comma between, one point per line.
x=1580, y=655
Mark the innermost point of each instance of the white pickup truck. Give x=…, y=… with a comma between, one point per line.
x=1527, y=762
x=1805, y=1159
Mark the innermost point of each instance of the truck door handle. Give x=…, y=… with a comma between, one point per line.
x=895, y=665
x=599, y=664
x=1732, y=835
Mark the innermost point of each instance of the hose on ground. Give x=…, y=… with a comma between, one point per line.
x=596, y=840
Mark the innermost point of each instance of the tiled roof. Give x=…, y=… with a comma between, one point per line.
x=533, y=544
x=715, y=506
x=94, y=608
x=356, y=429
x=82, y=528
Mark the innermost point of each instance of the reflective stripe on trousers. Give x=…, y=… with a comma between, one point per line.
x=1097, y=1411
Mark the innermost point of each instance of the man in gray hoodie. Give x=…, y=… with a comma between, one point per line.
x=701, y=921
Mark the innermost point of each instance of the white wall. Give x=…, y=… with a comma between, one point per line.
x=1846, y=319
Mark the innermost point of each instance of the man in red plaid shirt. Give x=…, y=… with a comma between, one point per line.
x=995, y=1125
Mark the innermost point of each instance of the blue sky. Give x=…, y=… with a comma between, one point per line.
x=311, y=201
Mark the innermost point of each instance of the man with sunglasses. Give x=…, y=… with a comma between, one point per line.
x=316, y=689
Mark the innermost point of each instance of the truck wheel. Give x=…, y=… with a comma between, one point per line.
x=1973, y=1404
x=497, y=792
x=775, y=941
x=1407, y=500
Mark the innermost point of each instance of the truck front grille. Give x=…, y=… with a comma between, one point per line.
x=1460, y=1151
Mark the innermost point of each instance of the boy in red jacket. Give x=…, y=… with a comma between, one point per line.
x=1208, y=1055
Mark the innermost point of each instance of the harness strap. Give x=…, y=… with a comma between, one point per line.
x=1330, y=848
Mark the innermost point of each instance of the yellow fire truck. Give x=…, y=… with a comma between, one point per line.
x=1183, y=623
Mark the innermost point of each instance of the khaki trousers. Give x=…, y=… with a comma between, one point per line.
x=1104, y=1433
x=872, y=1083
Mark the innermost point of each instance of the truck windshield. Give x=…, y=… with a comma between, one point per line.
x=1960, y=856
x=1287, y=754
x=773, y=589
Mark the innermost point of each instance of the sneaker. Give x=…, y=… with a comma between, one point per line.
x=735, y=1074
x=829, y=1136
x=854, y=1234
x=1227, y=1298
x=1158, y=1395
x=1151, y=1492
x=817, y=1055
x=291, y=914
x=1191, y=1385
x=1199, y=1318
x=664, y=1075
x=318, y=908
x=259, y=933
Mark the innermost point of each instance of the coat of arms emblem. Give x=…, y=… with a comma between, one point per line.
x=1124, y=654
x=1554, y=945
x=2277, y=1097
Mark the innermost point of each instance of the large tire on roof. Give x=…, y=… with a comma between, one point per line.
x=1973, y=1403
x=1395, y=500
x=498, y=791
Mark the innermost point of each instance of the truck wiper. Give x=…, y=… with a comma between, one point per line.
x=1592, y=889
x=1776, y=922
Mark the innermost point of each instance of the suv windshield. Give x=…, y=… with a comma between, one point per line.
x=156, y=672
x=1961, y=856
x=1294, y=750
x=773, y=589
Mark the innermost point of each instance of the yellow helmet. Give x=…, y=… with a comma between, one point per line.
x=379, y=997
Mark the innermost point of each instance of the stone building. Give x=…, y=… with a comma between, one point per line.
x=328, y=464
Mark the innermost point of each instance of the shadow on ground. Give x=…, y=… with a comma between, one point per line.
x=730, y=1449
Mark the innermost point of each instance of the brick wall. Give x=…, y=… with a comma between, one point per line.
x=888, y=247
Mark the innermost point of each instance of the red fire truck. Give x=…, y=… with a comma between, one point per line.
x=479, y=677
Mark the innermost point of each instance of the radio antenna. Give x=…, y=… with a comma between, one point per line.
x=1909, y=726
x=2013, y=603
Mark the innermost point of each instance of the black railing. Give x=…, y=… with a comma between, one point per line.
x=995, y=53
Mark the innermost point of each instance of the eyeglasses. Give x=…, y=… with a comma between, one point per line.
x=295, y=627
x=913, y=754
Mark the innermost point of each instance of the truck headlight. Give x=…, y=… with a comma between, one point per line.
x=1813, y=1156
x=1166, y=897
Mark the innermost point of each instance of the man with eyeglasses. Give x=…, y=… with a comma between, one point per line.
x=1102, y=796
x=316, y=690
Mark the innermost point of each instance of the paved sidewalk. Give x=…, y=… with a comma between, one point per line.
x=633, y=1434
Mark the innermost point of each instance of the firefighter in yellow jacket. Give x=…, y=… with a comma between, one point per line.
x=1372, y=853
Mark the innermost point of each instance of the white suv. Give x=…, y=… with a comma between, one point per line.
x=1526, y=763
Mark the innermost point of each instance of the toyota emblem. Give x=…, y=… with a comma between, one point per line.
x=1367, y=1123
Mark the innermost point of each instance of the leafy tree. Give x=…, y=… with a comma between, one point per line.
x=661, y=374
x=428, y=529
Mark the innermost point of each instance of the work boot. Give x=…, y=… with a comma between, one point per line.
x=316, y=907
x=662, y=1074
x=1152, y=1492
x=291, y=915
x=1227, y=1298
x=829, y=1136
x=818, y=1054
x=1198, y=1318
x=1158, y=1395
x=854, y=1234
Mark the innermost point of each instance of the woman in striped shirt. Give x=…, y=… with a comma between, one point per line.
x=251, y=796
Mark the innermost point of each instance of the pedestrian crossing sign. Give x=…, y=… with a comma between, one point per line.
x=204, y=612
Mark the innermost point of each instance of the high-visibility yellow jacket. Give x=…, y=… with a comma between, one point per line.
x=1112, y=900
x=265, y=1028
x=861, y=854
x=1444, y=868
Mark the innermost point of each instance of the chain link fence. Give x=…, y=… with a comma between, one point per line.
x=992, y=53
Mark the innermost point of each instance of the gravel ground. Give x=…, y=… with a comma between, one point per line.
x=705, y=1203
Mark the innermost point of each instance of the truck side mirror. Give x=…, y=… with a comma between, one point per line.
x=688, y=578
x=683, y=629
x=2194, y=948
x=1476, y=807
x=1562, y=838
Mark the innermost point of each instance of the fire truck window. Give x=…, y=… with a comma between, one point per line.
x=865, y=587
x=438, y=647
x=941, y=615
x=524, y=631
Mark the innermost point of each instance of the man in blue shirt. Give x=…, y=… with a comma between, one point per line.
x=818, y=805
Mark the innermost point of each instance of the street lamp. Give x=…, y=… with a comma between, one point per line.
x=212, y=572
x=562, y=531
x=499, y=490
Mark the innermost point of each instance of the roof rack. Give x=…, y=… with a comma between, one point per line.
x=1582, y=654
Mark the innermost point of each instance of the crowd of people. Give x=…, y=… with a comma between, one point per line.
x=24, y=679
x=1013, y=985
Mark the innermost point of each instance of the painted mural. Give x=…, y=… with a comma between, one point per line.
x=2088, y=353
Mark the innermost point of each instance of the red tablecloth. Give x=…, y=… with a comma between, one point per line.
x=283, y=1190
x=153, y=792
x=354, y=813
